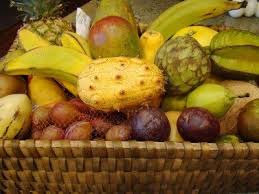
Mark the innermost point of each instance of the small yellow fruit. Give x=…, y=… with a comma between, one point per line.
x=150, y=42
x=172, y=117
x=44, y=91
x=202, y=34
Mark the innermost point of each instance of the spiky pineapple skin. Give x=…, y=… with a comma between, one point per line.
x=185, y=64
x=49, y=29
x=120, y=83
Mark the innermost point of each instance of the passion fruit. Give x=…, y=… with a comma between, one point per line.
x=150, y=125
x=198, y=125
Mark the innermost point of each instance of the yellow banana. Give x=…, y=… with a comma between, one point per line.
x=15, y=111
x=51, y=61
x=29, y=40
x=75, y=41
x=189, y=12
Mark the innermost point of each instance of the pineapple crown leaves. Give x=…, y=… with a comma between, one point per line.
x=38, y=9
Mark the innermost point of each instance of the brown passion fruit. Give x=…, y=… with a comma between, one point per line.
x=198, y=125
x=150, y=124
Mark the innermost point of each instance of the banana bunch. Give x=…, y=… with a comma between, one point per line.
x=252, y=8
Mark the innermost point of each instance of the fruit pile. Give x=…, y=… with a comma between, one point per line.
x=174, y=81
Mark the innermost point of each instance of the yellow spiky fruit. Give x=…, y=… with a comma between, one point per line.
x=120, y=83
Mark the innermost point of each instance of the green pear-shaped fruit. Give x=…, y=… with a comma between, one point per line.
x=228, y=139
x=213, y=97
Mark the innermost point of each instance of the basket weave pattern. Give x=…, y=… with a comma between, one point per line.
x=127, y=167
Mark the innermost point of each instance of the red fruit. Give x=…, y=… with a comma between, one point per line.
x=87, y=110
x=150, y=125
x=100, y=126
x=80, y=105
x=81, y=130
x=121, y=132
x=52, y=133
x=198, y=125
x=40, y=118
x=64, y=113
x=36, y=134
x=113, y=36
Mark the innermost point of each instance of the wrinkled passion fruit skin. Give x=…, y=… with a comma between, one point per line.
x=150, y=125
x=248, y=121
x=198, y=125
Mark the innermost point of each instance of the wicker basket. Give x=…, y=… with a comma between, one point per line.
x=127, y=167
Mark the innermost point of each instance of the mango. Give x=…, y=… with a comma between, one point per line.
x=113, y=36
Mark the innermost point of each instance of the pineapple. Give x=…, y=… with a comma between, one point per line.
x=42, y=18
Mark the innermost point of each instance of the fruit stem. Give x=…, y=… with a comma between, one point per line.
x=246, y=95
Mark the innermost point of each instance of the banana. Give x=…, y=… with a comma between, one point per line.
x=51, y=61
x=70, y=87
x=15, y=111
x=189, y=12
x=29, y=40
x=75, y=41
x=150, y=42
x=10, y=56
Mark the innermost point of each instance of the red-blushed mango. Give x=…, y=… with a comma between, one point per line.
x=113, y=36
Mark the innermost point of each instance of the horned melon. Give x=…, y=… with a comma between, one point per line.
x=120, y=83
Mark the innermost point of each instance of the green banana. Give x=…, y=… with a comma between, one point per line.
x=189, y=12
